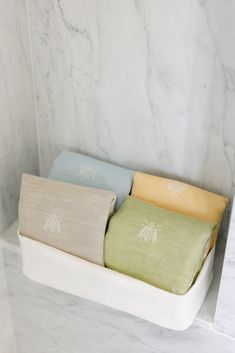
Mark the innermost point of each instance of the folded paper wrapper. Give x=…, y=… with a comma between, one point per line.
x=69, y=217
x=60, y=270
x=80, y=169
x=180, y=197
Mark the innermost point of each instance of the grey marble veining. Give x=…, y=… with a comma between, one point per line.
x=47, y=321
x=145, y=84
x=225, y=312
x=18, y=142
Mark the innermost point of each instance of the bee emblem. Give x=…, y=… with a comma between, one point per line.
x=174, y=189
x=149, y=231
x=53, y=222
x=87, y=171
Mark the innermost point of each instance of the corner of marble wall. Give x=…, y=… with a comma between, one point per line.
x=18, y=142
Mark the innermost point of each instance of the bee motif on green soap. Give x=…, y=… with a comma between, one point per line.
x=149, y=231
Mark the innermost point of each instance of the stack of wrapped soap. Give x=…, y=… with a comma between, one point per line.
x=160, y=230
x=163, y=232
x=72, y=211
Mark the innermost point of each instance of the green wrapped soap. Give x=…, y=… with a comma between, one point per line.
x=163, y=248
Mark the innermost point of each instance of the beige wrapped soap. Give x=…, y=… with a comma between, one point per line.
x=68, y=217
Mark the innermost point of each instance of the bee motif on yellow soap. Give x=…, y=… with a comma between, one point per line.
x=175, y=189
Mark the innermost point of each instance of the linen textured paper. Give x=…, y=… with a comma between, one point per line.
x=160, y=247
x=180, y=197
x=69, y=217
x=79, y=169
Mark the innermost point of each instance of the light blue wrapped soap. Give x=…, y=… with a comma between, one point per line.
x=79, y=169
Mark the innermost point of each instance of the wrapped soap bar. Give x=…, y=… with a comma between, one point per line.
x=77, y=168
x=163, y=248
x=69, y=217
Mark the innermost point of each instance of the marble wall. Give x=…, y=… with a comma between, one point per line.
x=148, y=84
x=18, y=142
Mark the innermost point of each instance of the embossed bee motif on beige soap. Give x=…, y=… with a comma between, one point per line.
x=149, y=231
x=53, y=222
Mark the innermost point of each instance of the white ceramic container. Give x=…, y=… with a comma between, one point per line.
x=68, y=273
